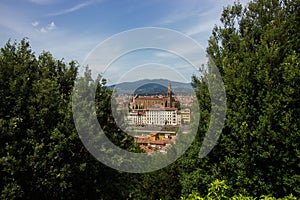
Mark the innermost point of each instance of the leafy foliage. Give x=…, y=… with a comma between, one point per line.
x=41, y=154
x=217, y=191
x=257, y=52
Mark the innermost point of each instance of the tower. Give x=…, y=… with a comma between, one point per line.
x=169, y=96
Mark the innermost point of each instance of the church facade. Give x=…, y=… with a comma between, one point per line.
x=158, y=110
x=148, y=102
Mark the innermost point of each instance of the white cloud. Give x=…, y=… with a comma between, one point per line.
x=165, y=54
x=48, y=28
x=51, y=26
x=196, y=19
x=187, y=13
x=35, y=23
x=15, y=25
x=43, y=30
x=176, y=17
x=201, y=27
x=74, y=8
x=185, y=56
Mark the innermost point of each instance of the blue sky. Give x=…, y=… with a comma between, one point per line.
x=71, y=29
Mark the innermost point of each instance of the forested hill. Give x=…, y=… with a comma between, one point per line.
x=152, y=87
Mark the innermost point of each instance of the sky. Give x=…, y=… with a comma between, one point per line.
x=74, y=29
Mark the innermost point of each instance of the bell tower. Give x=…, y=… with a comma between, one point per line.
x=169, y=96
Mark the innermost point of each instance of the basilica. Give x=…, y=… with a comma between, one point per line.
x=150, y=102
x=154, y=110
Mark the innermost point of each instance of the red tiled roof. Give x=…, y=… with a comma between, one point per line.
x=148, y=141
x=166, y=108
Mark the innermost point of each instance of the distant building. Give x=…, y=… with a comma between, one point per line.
x=166, y=116
x=147, y=102
x=185, y=115
x=154, y=110
x=137, y=118
x=155, y=142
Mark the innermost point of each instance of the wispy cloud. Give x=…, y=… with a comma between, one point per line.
x=174, y=18
x=43, y=1
x=48, y=36
x=187, y=12
x=35, y=23
x=201, y=27
x=51, y=26
x=164, y=54
x=45, y=29
x=12, y=22
x=74, y=8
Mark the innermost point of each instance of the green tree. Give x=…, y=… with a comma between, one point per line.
x=41, y=155
x=217, y=190
x=257, y=52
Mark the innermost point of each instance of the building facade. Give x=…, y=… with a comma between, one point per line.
x=148, y=102
x=185, y=116
x=159, y=110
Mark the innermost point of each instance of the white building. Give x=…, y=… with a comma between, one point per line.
x=186, y=115
x=167, y=116
x=136, y=118
x=159, y=116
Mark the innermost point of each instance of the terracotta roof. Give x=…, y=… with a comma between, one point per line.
x=150, y=98
x=148, y=141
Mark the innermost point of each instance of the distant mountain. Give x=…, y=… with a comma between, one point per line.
x=148, y=87
x=151, y=89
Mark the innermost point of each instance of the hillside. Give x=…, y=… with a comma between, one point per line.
x=152, y=87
